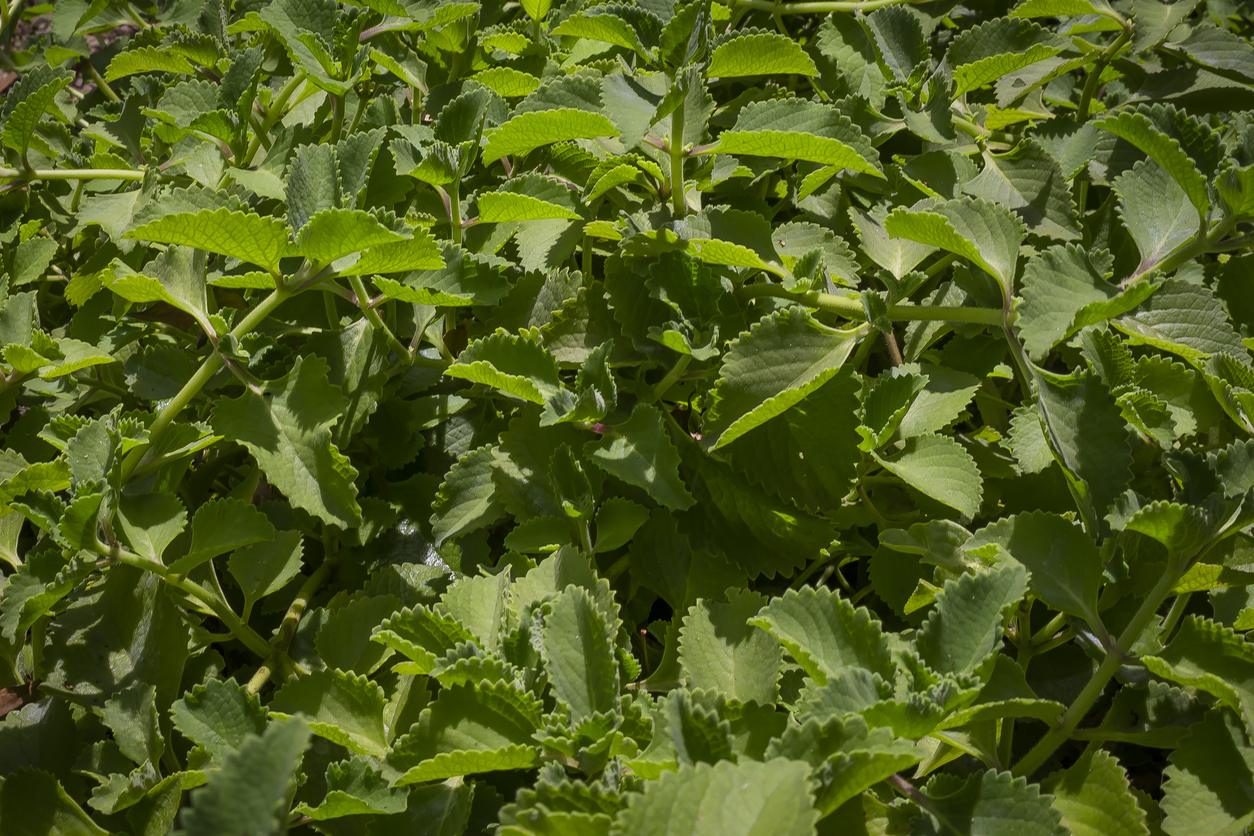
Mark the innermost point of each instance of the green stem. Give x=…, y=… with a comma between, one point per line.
x=277, y=654
x=1103, y=60
x=851, y=308
x=455, y=211
x=1115, y=657
x=1174, y=614
x=38, y=632
x=192, y=387
x=249, y=637
x=337, y=118
x=1051, y=629
x=363, y=302
x=101, y=83
x=273, y=115
x=822, y=7
x=71, y=174
x=678, y=202
x=673, y=375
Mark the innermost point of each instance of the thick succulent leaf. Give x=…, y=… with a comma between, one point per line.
x=784, y=358
x=824, y=633
x=941, y=468
x=469, y=729
x=721, y=651
x=344, y=708
x=250, y=793
x=1211, y=658
x=355, y=788
x=986, y=803
x=536, y=129
x=640, y=452
x=516, y=365
x=1065, y=290
x=800, y=130
x=1089, y=438
x=1064, y=562
x=1185, y=319
x=759, y=53
x=1156, y=211
x=900, y=41
x=726, y=799
x=990, y=50
x=984, y=233
x=422, y=635
x=1137, y=128
x=963, y=632
x=1199, y=795
x=33, y=803
x=1095, y=799
x=578, y=654
x=1029, y=181
x=242, y=235
x=288, y=431
x=219, y=716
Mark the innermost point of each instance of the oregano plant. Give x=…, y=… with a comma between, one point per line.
x=646, y=417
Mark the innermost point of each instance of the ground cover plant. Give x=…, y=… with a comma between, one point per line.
x=643, y=418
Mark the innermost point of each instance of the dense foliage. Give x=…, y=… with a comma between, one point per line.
x=431, y=417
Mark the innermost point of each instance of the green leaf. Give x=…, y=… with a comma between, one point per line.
x=342, y=707
x=1138, y=129
x=726, y=799
x=617, y=25
x=1094, y=797
x=516, y=365
x=27, y=102
x=808, y=454
x=1185, y=319
x=242, y=235
x=825, y=634
x=250, y=793
x=799, y=130
x=331, y=234
x=962, y=634
x=344, y=640
x=1156, y=211
x=900, y=41
x=780, y=361
x=131, y=715
x=151, y=522
x=354, y=788
x=1089, y=438
x=147, y=59
x=941, y=468
x=1064, y=291
x=422, y=635
x=1211, y=658
x=1056, y=8
x=639, y=452
x=288, y=431
x=1029, y=181
x=759, y=53
x=265, y=568
x=721, y=651
x=220, y=526
x=1199, y=795
x=536, y=129
x=219, y=716
x=1064, y=562
x=418, y=253
x=467, y=498
x=984, y=233
x=988, y=802
x=986, y=52
x=469, y=729
x=531, y=197
x=33, y=803
x=578, y=652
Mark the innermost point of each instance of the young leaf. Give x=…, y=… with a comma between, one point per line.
x=578, y=653
x=784, y=358
x=824, y=633
x=287, y=428
x=964, y=632
x=759, y=53
x=721, y=651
